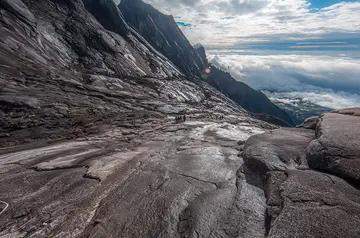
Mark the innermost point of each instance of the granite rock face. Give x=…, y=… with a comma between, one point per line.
x=303, y=200
x=314, y=204
x=162, y=32
x=62, y=71
x=337, y=147
x=202, y=52
x=89, y=145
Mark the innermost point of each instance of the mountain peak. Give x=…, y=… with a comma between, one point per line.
x=198, y=45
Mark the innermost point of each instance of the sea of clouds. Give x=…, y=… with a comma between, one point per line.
x=328, y=81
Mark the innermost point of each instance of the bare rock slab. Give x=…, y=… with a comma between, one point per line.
x=315, y=204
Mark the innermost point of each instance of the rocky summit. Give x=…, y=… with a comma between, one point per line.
x=89, y=144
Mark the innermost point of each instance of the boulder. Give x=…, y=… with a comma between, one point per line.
x=278, y=150
x=337, y=147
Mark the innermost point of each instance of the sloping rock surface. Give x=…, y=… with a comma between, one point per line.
x=89, y=145
x=314, y=204
x=162, y=32
x=90, y=148
x=62, y=72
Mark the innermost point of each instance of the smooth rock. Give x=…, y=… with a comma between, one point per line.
x=314, y=204
x=337, y=147
x=277, y=150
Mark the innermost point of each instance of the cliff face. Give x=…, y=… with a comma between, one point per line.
x=163, y=33
x=202, y=53
x=53, y=53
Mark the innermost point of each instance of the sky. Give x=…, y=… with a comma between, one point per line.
x=307, y=49
x=230, y=22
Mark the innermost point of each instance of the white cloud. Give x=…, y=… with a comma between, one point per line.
x=325, y=98
x=249, y=18
x=324, y=80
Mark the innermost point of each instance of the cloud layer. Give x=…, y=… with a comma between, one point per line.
x=324, y=80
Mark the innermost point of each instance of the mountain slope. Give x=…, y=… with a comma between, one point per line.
x=109, y=16
x=163, y=33
x=89, y=146
x=86, y=137
x=250, y=99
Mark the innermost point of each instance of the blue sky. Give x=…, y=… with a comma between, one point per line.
x=325, y=3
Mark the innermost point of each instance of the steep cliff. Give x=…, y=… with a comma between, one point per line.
x=200, y=49
x=164, y=34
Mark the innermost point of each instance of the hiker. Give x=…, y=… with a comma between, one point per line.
x=176, y=119
x=180, y=118
x=184, y=118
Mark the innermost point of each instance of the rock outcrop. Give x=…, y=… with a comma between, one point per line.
x=302, y=198
x=278, y=150
x=337, y=147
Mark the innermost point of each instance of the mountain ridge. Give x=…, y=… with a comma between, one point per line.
x=139, y=15
x=163, y=33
